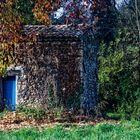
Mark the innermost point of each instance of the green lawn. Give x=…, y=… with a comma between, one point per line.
x=129, y=130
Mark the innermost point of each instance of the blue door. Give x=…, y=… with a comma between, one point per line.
x=9, y=92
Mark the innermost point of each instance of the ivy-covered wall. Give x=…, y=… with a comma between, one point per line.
x=52, y=75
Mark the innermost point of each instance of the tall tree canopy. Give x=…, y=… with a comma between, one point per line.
x=10, y=27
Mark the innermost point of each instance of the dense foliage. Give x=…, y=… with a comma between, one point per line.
x=119, y=77
x=119, y=73
x=10, y=27
x=24, y=9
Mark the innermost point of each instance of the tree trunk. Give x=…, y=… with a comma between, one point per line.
x=90, y=68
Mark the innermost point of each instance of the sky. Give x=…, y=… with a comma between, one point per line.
x=119, y=1
x=60, y=11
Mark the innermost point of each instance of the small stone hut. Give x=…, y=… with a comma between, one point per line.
x=51, y=70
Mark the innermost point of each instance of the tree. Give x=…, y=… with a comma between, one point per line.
x=10, y=25
x=24, y=9
x=119, y=66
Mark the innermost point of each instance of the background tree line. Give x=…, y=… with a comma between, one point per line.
x=119, y=72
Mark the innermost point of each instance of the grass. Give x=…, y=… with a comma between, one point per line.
x=129, y=130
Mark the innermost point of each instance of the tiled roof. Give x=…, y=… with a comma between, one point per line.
x=54, y=30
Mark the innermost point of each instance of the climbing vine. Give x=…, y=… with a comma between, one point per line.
x=10, y=27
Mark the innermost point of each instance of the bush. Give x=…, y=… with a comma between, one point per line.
x=119, y=77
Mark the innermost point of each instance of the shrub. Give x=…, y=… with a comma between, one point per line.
x=119, y=77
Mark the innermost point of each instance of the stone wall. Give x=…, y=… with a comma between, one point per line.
x=52, y=74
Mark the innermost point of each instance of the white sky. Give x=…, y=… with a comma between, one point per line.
x=60, y=11
x=119, y=1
